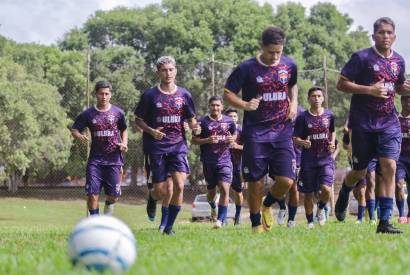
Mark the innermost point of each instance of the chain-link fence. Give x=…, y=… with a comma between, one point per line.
x=203, y=79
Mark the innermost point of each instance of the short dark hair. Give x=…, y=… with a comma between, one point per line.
x=230, y=110
x=383, y=20
x=314, y=88
x=215, y=98
x=103, y=84
x=273, y=35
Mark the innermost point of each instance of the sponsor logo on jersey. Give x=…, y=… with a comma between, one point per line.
x=283, y=76
x=104, y=133
x=111, y=119
x=325, y=122
x=224, y=126
x=178, y=102
x=169, y=119
x=276, y=96
x=394, y=68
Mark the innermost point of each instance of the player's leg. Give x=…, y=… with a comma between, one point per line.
x=222, y=203
x=308, y=204
x=165, y=203
x=399, y=192
x=360, y=194
x=209, y=171
x=293, y=204
x=324, y=198
x=158, y=166
x=307, y=185
x=370, y=192
x=408, y=200
x=112, y=186
x=237, y=187
x=94, y=183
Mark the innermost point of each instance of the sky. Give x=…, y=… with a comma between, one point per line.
x=46, y=21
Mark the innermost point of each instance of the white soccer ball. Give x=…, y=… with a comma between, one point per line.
x=102, y=243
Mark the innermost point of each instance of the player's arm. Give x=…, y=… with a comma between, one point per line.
x=79, y=136
x=235, y=101
x=293, y=102
x=305, y=143
x=194, y=125
x=197, y=140
x=404, y=89
x=156, y=133
x=332, y=142
x=347, y=86
x=124, y=141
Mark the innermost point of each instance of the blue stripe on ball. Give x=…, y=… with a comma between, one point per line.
x=104, y=252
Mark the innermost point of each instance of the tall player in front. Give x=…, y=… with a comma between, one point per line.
x=269, y=100
x=373, y=76
x=160, y=113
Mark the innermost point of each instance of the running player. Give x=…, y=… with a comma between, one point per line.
x=109, y=139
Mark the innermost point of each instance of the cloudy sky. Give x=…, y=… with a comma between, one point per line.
x=46, y=21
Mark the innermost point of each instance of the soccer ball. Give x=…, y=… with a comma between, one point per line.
x=102, y=243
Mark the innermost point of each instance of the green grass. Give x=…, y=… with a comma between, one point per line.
x=33, y=240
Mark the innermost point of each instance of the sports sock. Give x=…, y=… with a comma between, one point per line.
x=164, y=216
x=222, y=210
x=386, y=208
x=269, y=200
x=400, y=207
x=292, y=212
x=360, y=212
x=282, y=204
x=237, y=210
x=370, y=205
x=94, y=211
x=255, y=219
x=172, y=215
x=309, y=218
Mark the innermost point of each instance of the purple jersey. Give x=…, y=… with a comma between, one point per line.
x=219, y=152
x=366, y=67
x=168, y=111
x=105, y=128
x=296, y=148
x=236, y=154
x=270, y=83
x=405, y=131
x=318, y=130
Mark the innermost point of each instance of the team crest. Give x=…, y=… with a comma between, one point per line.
x=325, y=122
x=224, y=126
x=283, y=76
x=394, y=68
x=376, y=68
x=178, y=101
x=159, y=105
x=111, y=119
x=259, y=79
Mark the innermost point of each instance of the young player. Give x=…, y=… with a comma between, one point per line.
x=373, y=76
x=403, y=164
x=160, y=114
x=236, y=157
x=109, y=138
x=269, y=99
x=315, y=132
x=215, y=140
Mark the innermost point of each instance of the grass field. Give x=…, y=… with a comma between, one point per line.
x=33, y=240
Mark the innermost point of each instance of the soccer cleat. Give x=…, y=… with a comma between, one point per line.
x=267, y=219
x=402, y=220
x=151, y=207
x=359, y=222
x=281, y=216
x=311, y=225
x=291, y=224
x=218, y=224
x=161, y=229
x=213, y=214
x=321, y=217
x=258, y=229
x=169, y=232
x=385, y=227
x=341, y=207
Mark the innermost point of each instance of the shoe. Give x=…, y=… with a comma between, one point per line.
x=311, y=225
x=169, y=232
x=387, y=228
x=281, y=216
x=237, y=221
x=213, y=214
x=151, y=207
x=372, y=222
x=267, y=219
x=291, y=224
x=359, y=222
x=321, y=217
x=258, y=229
x=161, y=229
x=218, y=224
x=341, y=207
x=402, y=220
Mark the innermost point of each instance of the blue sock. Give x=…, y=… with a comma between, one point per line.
x=172, y=215
x=269, y=200
x=292, y=212
x=321, y=205
x=377, y=207
x=370, y=205
x=164, y=217
x=94, y=211
x=309, y=218
x=386, y=208
x=400, y=207
x=222, y=210
x=237, y=210
x=282, y=204
x=345, y=190
x=212, y=204
x=255, y=219
x=360, y=212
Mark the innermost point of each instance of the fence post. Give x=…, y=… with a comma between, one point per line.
x=325, y=82
x=213, y=73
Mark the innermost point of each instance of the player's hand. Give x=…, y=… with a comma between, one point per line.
x=378, y=90
x=123, y=147
x=213, y=139
x=196, y=129
x=231, y=140
x=406, y=85
x=83, y=139
x=157, y=134
x=331, y=147
x=306, y=143
x=253, y=104
x=292, y=112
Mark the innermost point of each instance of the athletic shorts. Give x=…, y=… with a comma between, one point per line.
x=315, y=173
x=403, y=169
x=99, y=176
x=215, y=173
x=162, y=165
x=237, y=183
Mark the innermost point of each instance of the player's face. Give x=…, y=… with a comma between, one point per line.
x=271, y=53
x=316, y=98
x=384, y=37
x=103, y=96
x=234, y=116
x=167, y=73
x=215, y=108
x=405, y=104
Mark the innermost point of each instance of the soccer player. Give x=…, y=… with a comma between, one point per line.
x=269, y=100
x=315, y=132
x=373, y=76
x=160, y=113
x=109, y=139
x=215, y=140
x=236, y=157
x=403, y=164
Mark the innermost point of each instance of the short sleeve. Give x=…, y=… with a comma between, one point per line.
x=332, y=123
x=402, y=74
x=189, y=106
x=232, y=128
x=352, y=68
x=143, y=107
x=80, y=122
x=293, y=76
x=299, y=130
x=236, y=79
x=122, y=124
